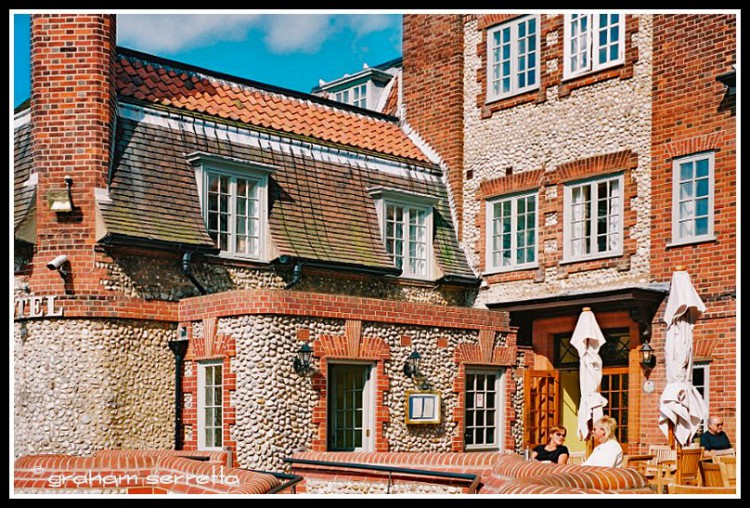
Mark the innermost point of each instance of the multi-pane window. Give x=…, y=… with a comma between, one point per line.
x=511, y=226
x=406, y=229
x=234, y=199
x=406, y=238
x=356, y=96
x=233, y=212
x=210, y=406
x=593, y=218
x=483, y=410
x=593, y=42
x=513, y=57
x=614, y=388
x=692, y=198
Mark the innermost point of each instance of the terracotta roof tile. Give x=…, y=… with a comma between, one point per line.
x=187, y=89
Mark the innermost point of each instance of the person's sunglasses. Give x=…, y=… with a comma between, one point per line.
x=559, y=435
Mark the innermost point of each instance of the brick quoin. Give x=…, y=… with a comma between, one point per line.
x=692, y=112
x=433, y=90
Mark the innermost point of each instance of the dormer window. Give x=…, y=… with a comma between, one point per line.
x=356, y=96
x=406, y=228
x=234, y=203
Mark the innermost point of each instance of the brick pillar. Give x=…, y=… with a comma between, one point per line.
x=73, y=105
x=433, y=89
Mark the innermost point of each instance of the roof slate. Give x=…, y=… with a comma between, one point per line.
x=23, y=196
x=317, y=209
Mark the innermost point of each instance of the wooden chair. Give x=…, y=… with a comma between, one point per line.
x=714, y=474
x=639, y=462
x=692, y=489
x=730, y=464
x=685, y=471
x=663, y=453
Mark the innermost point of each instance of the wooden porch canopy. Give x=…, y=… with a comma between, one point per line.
x=641, y=302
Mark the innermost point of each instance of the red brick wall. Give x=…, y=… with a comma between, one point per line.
x=72, y=112
x=433, y=90
x=692, y=112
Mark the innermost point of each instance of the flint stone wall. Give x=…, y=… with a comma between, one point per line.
x=87, y=385
x=601, y=118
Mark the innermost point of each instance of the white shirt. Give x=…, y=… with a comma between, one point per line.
x=609, y=454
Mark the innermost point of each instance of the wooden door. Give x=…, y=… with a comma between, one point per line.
x=614, y=388
x=542, y=405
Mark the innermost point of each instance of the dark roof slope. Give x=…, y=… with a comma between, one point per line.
x=23, y=196
x=317, y=209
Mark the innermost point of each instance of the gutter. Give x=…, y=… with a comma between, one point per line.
x=354, y=268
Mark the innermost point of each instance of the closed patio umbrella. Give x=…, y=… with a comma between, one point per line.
x=681, y=407
x=588, y=339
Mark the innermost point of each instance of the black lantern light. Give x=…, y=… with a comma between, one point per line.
x=411, y=369
x=648, y=360
x=303, y=361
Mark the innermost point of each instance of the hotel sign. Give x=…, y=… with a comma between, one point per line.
x=37, y=306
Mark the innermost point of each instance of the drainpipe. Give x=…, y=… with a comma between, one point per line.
x=179, y=348
x=296, y=275
x=186, y=257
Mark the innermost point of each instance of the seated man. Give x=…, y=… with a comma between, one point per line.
x=715, y=438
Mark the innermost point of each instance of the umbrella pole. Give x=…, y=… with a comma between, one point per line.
x=590, y=440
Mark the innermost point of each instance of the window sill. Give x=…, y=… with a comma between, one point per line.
x=608, y=255
x=510, y=269
x=494, y=100
x=568, y=78
x=692, y=241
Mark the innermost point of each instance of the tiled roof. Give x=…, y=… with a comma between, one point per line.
x=170, y=84
x=317, y=209
x=391, y=103
x=23, y=196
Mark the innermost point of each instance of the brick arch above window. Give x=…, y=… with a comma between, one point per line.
x=517, y=182
x=597, y=165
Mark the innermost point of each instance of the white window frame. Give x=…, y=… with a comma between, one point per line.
x=349, y=95
x=514, y=56
x=568, y=238
x=490, y=265
x=202, y=367
x=368, y=402
x=207, y=165
x=680, y=204
x=499, y=408
x=590, y=44
x=409, y=201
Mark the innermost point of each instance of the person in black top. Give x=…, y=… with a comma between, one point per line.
x=554, y=451
x=715, y=438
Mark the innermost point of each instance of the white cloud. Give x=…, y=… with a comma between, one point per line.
x=303, y=33
x=282, y=33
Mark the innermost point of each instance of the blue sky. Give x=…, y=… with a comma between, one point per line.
x=291, y=50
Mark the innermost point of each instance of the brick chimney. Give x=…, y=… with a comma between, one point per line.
x=433, y=90
x=73, y=108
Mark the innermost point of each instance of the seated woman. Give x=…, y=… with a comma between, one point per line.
x=554, y=450
x=608, y=451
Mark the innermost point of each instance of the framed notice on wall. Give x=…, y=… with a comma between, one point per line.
x=422, y=407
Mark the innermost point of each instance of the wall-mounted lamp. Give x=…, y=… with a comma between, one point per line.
x=411, y=369
x=303, y=361
x=61, y=200
x=61, y=264
x=648, y=359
